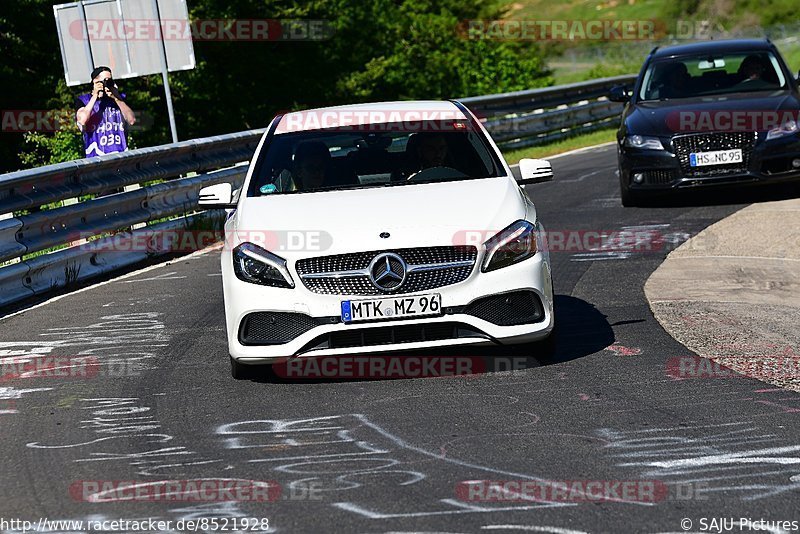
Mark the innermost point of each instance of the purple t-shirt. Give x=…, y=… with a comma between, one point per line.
x=104, y=132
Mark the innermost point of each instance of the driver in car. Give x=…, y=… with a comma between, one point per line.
x=311, y=159
x=425, y=150
x=752, y=72
x=432, y=151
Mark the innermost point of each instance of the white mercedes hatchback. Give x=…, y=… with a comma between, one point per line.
x=381, y=227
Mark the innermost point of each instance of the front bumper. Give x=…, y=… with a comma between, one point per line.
x=768, y=162
x=322, y=332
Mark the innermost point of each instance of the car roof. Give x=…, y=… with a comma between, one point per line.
x=371, y=113
x=713, y=47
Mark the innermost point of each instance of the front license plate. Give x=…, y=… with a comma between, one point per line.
x=716, y=157
x=391, y=308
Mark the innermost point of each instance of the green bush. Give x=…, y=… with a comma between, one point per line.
x=379, y=50
x=45, y=149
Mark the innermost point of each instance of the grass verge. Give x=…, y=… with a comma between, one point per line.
x=564, y=145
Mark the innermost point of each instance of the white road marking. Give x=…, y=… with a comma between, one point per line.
x=600, y=256
x=165, y=276
x=745, y=457
x=587, y=175
x=113, y=280
x=8, y=393
x=581, y=150
x=534, y=528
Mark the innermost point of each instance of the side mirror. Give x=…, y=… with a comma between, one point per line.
x=218, y=196
x=534, y=171
x=619, y=93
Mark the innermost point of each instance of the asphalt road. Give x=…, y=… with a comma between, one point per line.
x=390, y=455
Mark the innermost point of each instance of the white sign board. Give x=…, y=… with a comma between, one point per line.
x=129, y=36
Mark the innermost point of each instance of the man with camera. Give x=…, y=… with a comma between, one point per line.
x=104, y=116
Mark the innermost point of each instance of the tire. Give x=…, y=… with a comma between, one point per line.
x=629, y=198
x=544, y=350
x=240, y=371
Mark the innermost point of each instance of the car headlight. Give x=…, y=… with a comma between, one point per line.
x=253, y=264
x=512, y=245
x=643, y=141
x=786, y=128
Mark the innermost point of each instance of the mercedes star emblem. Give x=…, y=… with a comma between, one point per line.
x=387, y=271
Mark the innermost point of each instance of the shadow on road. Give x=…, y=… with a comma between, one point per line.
x=726, y=196
x=581, y=330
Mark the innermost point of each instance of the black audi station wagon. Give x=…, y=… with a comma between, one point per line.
x=716, y=113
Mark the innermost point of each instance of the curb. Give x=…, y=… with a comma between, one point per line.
x=732, y=294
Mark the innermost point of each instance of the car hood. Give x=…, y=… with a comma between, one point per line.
x=663, y=118
x=434, y=214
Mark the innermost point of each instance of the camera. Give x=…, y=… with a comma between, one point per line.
x=108, y=84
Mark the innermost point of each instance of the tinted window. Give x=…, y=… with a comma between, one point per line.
x=395, y=154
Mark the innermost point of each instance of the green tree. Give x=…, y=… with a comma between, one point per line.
x=62, y=144
x=378, y=50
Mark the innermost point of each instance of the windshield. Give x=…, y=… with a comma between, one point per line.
x=358, y=157
x=703, y=75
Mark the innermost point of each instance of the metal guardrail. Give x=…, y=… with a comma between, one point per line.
x=526, y=118
x=105, y=233
x=35, y=187
x=108, y=232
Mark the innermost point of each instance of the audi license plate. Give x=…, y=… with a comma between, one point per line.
x=391, y=308
x=717, y=157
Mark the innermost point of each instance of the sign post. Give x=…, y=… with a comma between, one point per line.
x=165, y=75
x=128, y=37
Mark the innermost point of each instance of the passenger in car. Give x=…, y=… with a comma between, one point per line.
x=676, y=81
x=310, y=164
